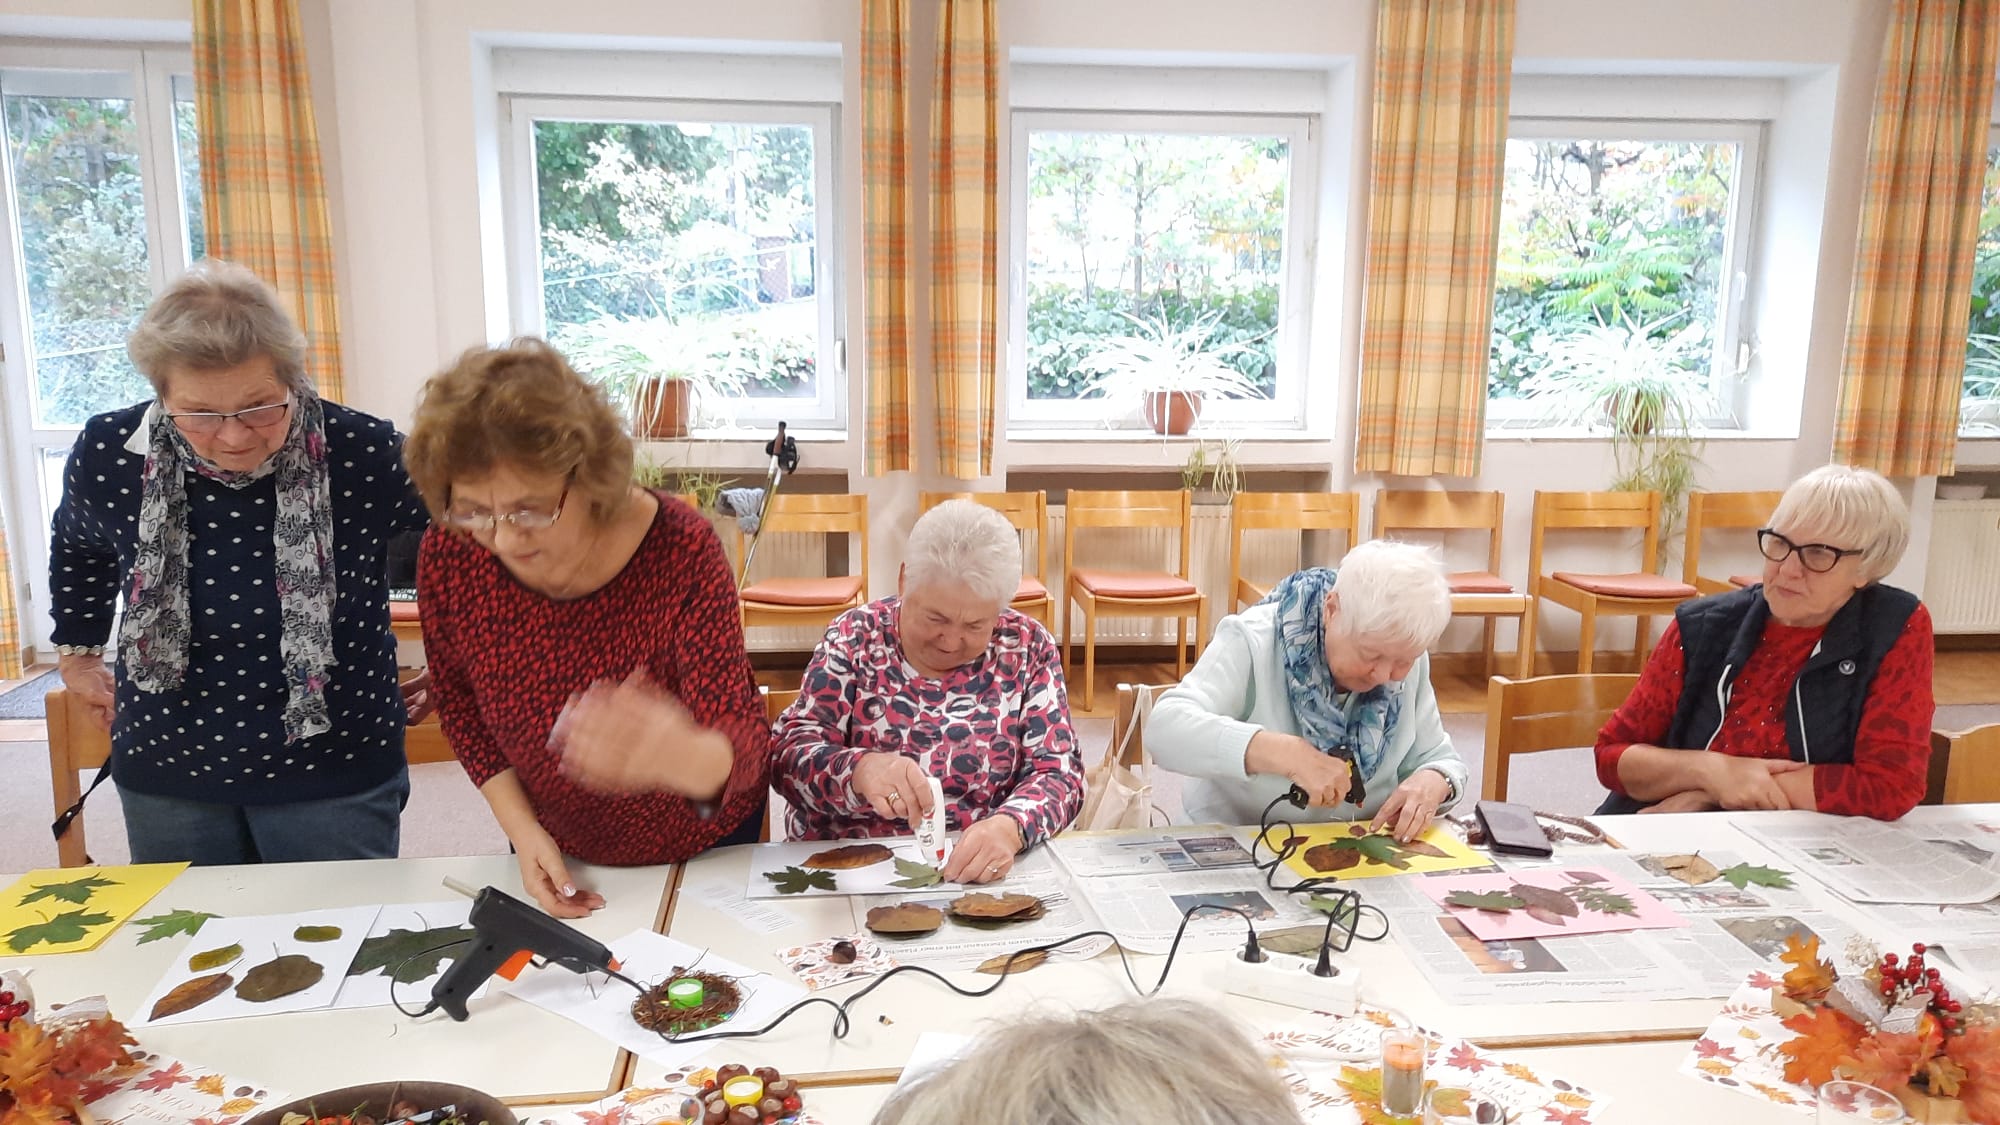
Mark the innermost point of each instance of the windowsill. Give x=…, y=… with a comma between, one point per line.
x=1978, y=451
x=1087, y=450
x=1528, y=434
x=739, y=450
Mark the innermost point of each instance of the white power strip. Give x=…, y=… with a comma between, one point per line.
x=1284, y=979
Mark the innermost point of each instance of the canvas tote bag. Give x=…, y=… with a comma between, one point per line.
x=1117, y=795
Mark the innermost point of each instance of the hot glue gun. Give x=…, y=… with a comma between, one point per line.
x=510, y=933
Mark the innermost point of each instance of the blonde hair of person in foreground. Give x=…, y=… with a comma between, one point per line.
x=1166, y=1062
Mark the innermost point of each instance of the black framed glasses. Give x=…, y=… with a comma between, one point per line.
x=1816, y=557
x=526, y=519
x=201, y=423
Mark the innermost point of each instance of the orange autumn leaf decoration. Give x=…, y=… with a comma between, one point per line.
x=1887, y=1060
x=1825, y=1039
x=1809, y=977
x=43, y=1074
x=1977, y=1053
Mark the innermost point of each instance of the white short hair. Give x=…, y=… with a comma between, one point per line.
x=1854, y=508
x=1393, y=591
x=964, y=541
x=1174, y=1062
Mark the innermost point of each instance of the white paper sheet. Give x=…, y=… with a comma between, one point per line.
x=726, y=897
x=437, y=920
x=263, y=938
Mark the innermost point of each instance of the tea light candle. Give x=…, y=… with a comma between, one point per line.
x=1402, y=1072
x=747, y=1090
x=685, y=993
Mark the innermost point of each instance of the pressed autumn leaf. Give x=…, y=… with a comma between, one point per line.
x=847, y=857
x=1690, y=869
x=916, y=876
x=409, y=956
x=1331, y=857
x=316, y=933
x=1822, y=1040
x=280, y=977
x=1019, y=962
x=1744, y=874
x=1341, y=908
x=214, y=958
x=1585, y=877
x=1603, y=901
x=906, y=918
x=797, y=880
x=69, y=926
x=1810, y=976
x=76, y=892
x=1542, y=898
x=190, y=994
x=1012, y=907
x=1424, y=847
x=1496, y=902
x=173, y=923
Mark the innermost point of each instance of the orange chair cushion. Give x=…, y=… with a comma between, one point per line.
x=803, y=591
x=1133, y=584
x=1627, y=585
x=1745, y=580
x=1478, y=582
x=1031, y=590
x=404, y=611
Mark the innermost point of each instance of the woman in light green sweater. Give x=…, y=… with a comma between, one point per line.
x=1325, y=685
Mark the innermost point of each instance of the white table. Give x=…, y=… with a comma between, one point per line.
x=507, y=1048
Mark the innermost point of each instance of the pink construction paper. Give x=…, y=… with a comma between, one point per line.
x=1487, y=925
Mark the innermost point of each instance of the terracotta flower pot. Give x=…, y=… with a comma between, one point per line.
x=663, y=408
x=1172, y=412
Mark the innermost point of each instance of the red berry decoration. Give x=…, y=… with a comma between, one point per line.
x=1919, y=948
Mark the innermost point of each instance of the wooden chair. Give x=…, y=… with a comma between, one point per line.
x=1545, y=713
x=1972, y=769
x=775, y=703
x=807, y=601
x=1640, y=593
x=1029, y=513
x=1722, y=511
x=1283, y=511
x=1102, y=592
x=1473, y=593
x=75, y=744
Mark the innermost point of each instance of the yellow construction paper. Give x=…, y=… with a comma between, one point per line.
x=57, y=902
x=1457, y=854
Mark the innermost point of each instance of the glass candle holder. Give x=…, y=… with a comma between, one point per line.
x=1842, y=1102
x=685, y=993
x=1403, y=1071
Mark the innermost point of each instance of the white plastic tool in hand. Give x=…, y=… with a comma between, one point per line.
x=932, y=842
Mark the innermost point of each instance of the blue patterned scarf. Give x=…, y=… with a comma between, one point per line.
x=1357, y=738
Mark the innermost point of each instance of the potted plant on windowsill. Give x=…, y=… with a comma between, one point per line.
x=1168, y=371
x=1216, y=463
x=666, y=376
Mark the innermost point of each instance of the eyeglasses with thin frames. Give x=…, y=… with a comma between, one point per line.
x=526, y=519
x=202, y=423
x=1816, y=557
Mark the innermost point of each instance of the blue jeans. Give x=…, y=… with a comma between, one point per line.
x=366, y=825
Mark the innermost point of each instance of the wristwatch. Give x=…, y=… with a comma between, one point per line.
x=79, y=650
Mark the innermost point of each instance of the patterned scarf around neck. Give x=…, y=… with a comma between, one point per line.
x=154, y=637
x=1355, y=738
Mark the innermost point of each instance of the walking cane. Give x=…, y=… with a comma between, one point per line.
x=784, y=453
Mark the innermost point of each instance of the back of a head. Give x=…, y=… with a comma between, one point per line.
x=1394, y=591
x=1165, y=1062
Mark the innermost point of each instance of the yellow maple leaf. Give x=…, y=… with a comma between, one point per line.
x=1516, y=1070
x=237, y=1107
x=1714, y=1066
x=26, y=1057
x=210, y=1084
x=1379, y=1019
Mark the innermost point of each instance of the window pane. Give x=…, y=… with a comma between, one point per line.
x=187, y=151
x=1175, y=229
x=1979, y=408
x=1611, y=259
x=689, y=248
x=83, y=243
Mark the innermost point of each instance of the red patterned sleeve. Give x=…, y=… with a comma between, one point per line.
x=1648, y=712
x=1048, y=779
x=444, y=652
x=1892, y=750
x=707, y=652
x=813, y=763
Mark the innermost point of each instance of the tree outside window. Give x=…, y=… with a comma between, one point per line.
x=1979, y=402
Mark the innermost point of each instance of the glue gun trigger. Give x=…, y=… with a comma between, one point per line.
x=511, y=969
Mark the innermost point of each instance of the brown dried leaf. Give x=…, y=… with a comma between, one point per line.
x=316, y=933
x=906, y=918
x=1690, y=869
x=1544, y=916
x=1425, y=847
x=1012, y=907
x=1326, y=857
x=214, y=958
x=847, y=857
x=1555, y=902
x=1013, y=962
x=191, y=994
x=280, y=977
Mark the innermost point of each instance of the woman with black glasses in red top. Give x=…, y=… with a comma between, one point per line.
x=1810, y=690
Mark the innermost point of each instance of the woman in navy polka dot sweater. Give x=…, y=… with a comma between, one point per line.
x=254, y=709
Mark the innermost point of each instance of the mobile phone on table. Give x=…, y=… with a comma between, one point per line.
x=1512, y=829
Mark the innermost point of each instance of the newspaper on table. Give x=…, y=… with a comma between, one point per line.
x=1868, y=861
x=1167, y=851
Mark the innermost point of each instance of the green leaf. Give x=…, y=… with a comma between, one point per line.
x=76, y=891
x=797, y=880
x=1379, y=848
x=214, y=958
x=174, y=923
x=69, y=926
x=410, y=956
x=1602, y=901
x=1497, y=902
x=279, y=977
x=1743, y=875
x=316, y=933
x=916, y=876
x=1341, y=908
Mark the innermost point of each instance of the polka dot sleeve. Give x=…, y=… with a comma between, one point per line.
x=83, y=558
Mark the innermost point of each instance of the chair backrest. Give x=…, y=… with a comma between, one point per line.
x=1711, y=511
x=1545, y=713
x=1595, y=511
x=75, y=744
x=1286, y=511
x=810, y=513
x=1028, y=512
x=775, y=702
x=1127, y=509
x=1402, y=509
x=1972, y=775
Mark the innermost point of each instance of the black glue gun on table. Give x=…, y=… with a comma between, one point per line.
x=511, y=933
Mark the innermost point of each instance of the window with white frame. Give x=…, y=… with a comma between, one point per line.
x=1979, y=401
x=1623, y=253
x=1160, y=218
x=694, y=236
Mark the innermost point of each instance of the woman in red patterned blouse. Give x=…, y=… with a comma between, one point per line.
x=584, y=641
x=942, y=681
x=1812, y=689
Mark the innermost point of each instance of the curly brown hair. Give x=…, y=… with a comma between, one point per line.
x=524, y=406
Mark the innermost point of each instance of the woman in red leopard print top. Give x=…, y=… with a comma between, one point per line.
x=945, y=681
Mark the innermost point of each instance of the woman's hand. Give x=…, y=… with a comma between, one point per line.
x=1746, y=783
x=896, y=787
x=1409, y=809
x=1325, y=778
x=417, y=698
x=631, y=737
x=91, y=682
x=1691, y=800
x=985, y=851
x=547, y=878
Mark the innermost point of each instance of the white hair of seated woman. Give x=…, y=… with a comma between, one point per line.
x=1393, y=591
x=967, y=542
x=1841, y=504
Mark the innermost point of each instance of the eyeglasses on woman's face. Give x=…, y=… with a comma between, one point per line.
x=521, y=519
x=205, y=423
x=1816, y=557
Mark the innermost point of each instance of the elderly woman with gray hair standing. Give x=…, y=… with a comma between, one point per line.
x=254, y=709
x=945, y=681
x=1325, y=684
x=1809, y=690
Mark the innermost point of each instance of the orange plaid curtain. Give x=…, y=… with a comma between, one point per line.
x=10, y=616
x=262, y=195
x=885, y=231
x=1442, y=70
x=965, y=225
x=1904, y=365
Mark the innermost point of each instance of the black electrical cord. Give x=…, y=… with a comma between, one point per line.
x=1343, y=905
x=397, y=972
